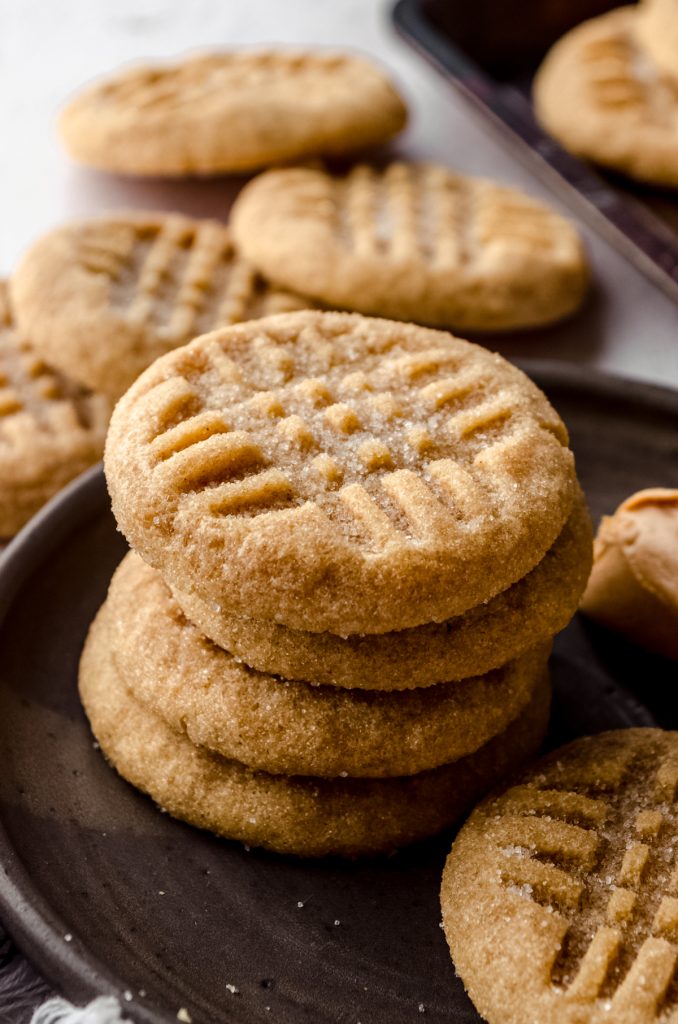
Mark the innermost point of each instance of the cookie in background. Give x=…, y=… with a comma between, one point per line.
x=603, y=97
x=232, y=112
x=413, y=242
x=657, y=30
x=50, y=428
x=101, y=299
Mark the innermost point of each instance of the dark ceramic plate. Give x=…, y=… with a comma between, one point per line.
x=168, y=917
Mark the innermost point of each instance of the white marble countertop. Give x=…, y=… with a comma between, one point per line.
x=48, y=50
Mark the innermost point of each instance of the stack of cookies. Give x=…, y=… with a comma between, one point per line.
x=354, y=540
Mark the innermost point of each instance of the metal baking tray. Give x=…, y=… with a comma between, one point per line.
x=489, y=50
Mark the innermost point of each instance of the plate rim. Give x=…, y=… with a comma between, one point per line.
x=70, y=967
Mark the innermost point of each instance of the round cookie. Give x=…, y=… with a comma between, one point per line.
x=531, y=611
x=633, y=586
x=332, y=472
x=603, y=98
x=559, y=896
x=413, y=242
x=231, y=112
x=102, y=298
x=295, y=728
x=657, y=33
x=50, y=429
x=300, y=815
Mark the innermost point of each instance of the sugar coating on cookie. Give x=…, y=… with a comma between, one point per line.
x=302, y=815
x=413, y=242
x=296, y=728
x=102, y=298
x=560, y=896
x=657, y=33
x=602, y=96
x=233, y=111
x=332, y=472
x=534, y=609
x=633, y=586
x=50, y=428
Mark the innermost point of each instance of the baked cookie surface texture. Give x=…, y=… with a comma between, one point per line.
x=332, y=472
x=413, y=242
x=560, y=895
x=295, y=728
x=103, y=298
x=231, y=112
x=603, y=97
x=307, y=816
x=527, y=613
x=50, y=428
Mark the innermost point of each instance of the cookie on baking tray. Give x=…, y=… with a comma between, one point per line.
x=101, y=299
x=231, y=112
x=295, y=728
x=603, y=98
x=657, y=33
x=50, y=428
x=560, y=895
x=332, y=472
x=481, y=639
x=633, y=586
x=302, y=815
x=413, y=242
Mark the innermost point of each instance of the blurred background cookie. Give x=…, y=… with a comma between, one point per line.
x=601, y=95
x=633, y=587
x=232, y=111
x=50, y=428
x=102, y=298
x=413, y=242
x=657, y=31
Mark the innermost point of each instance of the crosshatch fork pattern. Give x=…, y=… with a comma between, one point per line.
x=36, y=403
x=393, y=443
x=595, y=839
x=203, y=78
x=620, y=77
x=177, y=277
x=426, y=213
x=337, y=473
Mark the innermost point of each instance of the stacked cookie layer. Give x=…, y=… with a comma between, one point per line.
x=357, y=539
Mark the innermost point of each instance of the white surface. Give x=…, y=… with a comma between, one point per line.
x=50, y=47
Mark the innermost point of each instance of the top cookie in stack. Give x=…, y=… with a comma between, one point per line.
x=334, y=473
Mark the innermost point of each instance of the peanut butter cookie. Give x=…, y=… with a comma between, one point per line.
x=603, y=98
x=301, y=815
x=560, y=896
x=295, y=728
x=413, y=242
x=231, y=112
x=50, y=428
x=102, y=298
x=332, y=472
